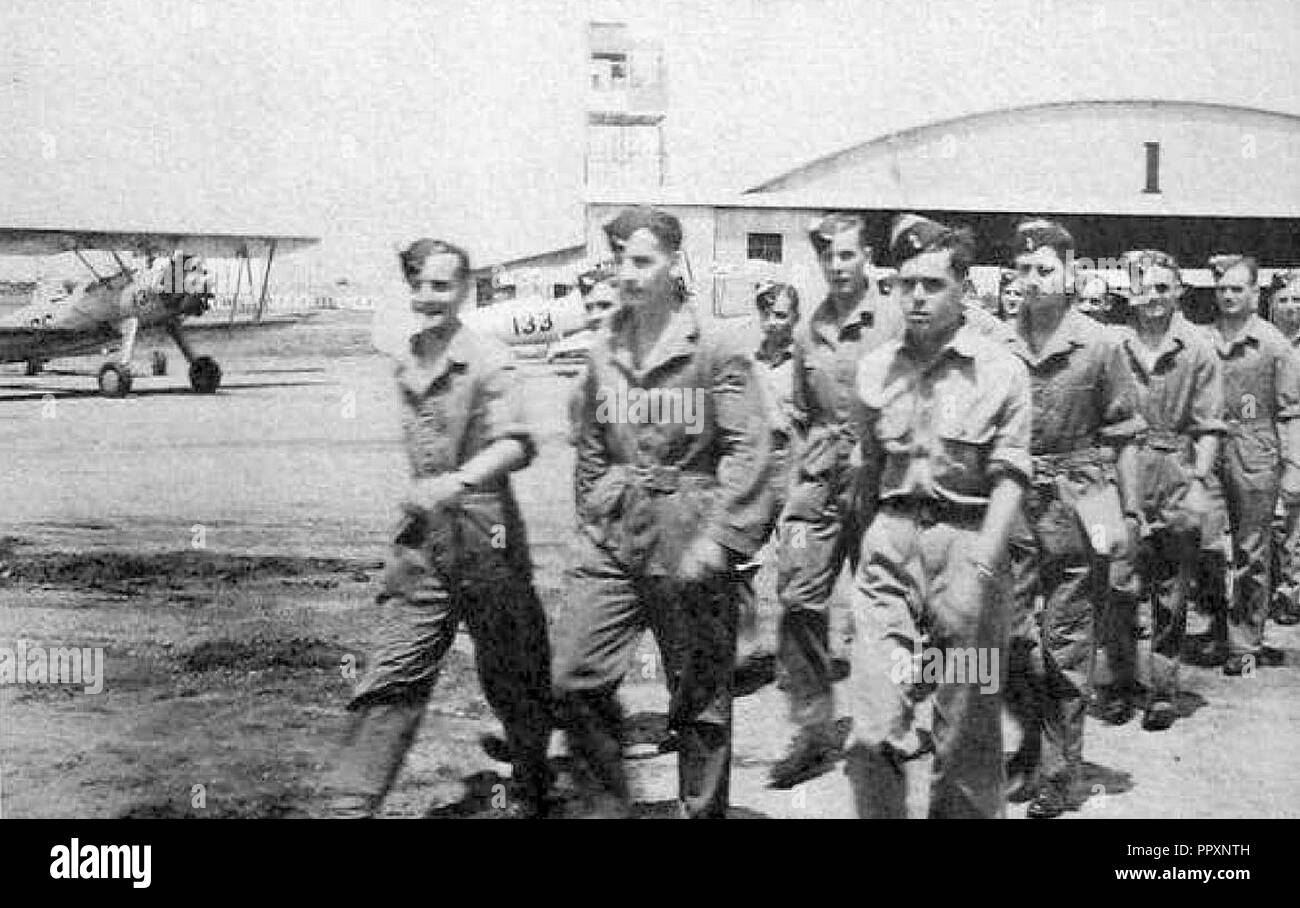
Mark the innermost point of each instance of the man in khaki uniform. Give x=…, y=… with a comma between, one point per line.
x=1085, y=420
x=462, y=554
x=1286, y=526
x=944, y=451
x=673, y=494
x=818, y=532
x=1261, y=452
x=1182, y=403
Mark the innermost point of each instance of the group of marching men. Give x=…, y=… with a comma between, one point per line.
x=1039, y=496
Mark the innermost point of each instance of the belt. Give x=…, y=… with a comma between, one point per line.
x=1170, y=442
x=664, y=479
x=1051, y=463
x=929, y=511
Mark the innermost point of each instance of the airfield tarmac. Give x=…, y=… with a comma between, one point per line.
x=224, y=549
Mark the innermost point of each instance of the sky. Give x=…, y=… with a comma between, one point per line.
x=369, y=124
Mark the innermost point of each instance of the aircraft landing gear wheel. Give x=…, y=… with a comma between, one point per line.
x=158, y=362
x=114, y=380
x=205, y=375
x=34, y=366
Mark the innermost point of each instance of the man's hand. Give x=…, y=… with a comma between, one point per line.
x=702, y=560
x=434, y=493
x=1289, y=490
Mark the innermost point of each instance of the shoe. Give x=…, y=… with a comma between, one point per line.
x=812, y=753
x=1159, y=715
x=1270, y=656
x=1022, y=773
x=1212, y=653
x=1116, y=711
x=753, y=673
x=1236, y=665
x=1287, y=619
x=1049, y=802
x=495, y=747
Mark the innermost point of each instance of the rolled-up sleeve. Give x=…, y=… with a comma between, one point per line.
x=1207, y=396
x=1121, y=420
x=744, y=455
x=1009, y=454
x=1287, y=378
x=502, y=405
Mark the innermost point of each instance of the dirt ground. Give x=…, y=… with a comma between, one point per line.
x=224, y=551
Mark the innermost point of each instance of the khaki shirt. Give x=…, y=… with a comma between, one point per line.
x=824, y=381
x=674, y=448
x=1261, y=375
x=456, y=402
x=948, y=428
x=1084, y=390
x=1181, y=381
x=459, y=400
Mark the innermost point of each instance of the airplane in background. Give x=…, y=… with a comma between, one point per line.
x=167, y=283
x=529, y=320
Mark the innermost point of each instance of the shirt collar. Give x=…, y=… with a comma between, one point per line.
x=1250, y=333
x=677, y=340
x=1069, y=334
x=964, y=342
x=826, y=322
x=420, y=370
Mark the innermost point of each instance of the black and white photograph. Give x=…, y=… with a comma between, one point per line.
x=791, y=409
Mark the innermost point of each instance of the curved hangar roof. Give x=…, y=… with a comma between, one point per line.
x=1214, y=160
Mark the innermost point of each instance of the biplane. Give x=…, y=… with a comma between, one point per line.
x=156, y=281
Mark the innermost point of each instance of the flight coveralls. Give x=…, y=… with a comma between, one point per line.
x=469, y=562
x=1085, y=404
x=936, y=439
x=1261, y=390
x=775, y=369
x=818, y=529
x=1182, y=400
x=648, y=485
x=1286, y=552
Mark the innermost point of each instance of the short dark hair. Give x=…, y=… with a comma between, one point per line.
x=835, y=223
x=663, y=226
x=1222, y=264
x=1139, y=260
x=413, y=257
x=767, y=295
x=959, y=242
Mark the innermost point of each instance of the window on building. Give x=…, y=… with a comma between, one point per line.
x=765, y=247
x=1153, y=167
x=559, y=290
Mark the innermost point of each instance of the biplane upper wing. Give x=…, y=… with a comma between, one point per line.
x=53, y=241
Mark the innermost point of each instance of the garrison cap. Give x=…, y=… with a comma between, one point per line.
x=1033, y=235
x=912, y=233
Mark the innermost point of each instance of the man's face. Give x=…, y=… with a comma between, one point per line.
x=1286, y=309
x=844, y=263
x=644, y=271
x=1235, y=292
x=1040, y=275
x=600, y=304
x=777, y=321
x=1012, y=297
x=929, y=295
x=1092, y=299
x=1156, y=296
x=438, y=290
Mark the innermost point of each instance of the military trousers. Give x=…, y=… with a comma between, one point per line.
x=1249, y=469
x=1286, y=563
x=416, y=619
x=694, y=625
x=817, y=536
x=930, y=624
x=1070, y=530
